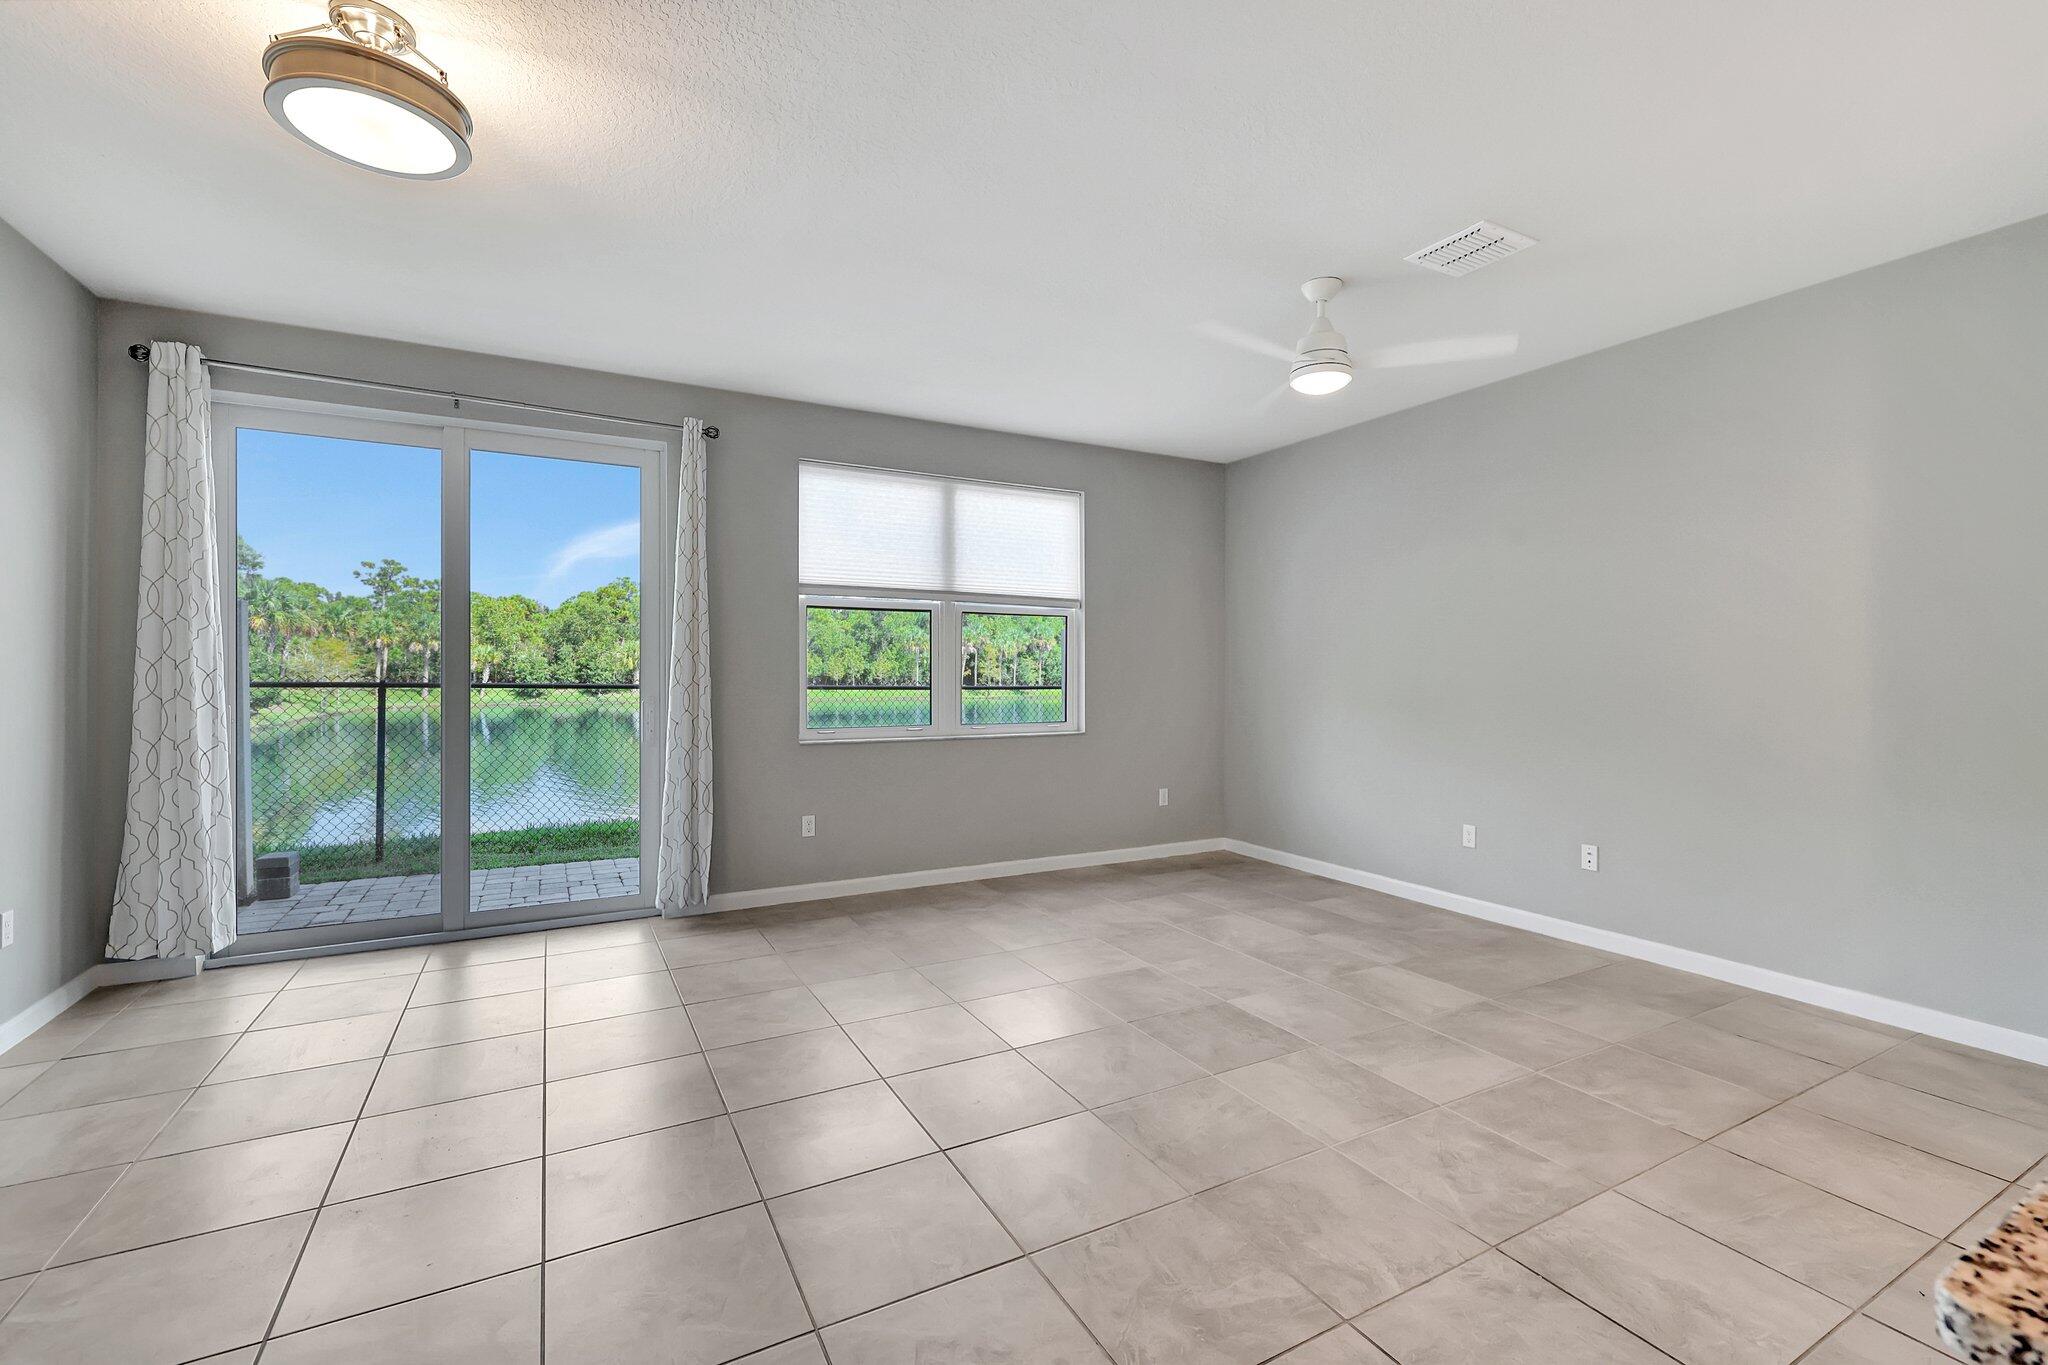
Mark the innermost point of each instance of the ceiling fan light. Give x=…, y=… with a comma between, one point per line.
x=366, y=106
x=1319, y=377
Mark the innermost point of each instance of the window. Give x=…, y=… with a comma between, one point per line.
x=936, y=608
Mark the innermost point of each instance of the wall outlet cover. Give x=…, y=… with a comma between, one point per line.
x=1471, y=836
x=6, y=928
x=1162, y=796
x=1589, y=857
x=810, y=825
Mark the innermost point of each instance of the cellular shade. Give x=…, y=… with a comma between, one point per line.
x=878, y=528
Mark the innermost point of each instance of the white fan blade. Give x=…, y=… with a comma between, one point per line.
x=1243, y=340
x=1442, y=350
x=1273, y=395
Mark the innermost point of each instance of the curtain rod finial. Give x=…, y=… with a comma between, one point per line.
x=711, y=433
x=139, y=351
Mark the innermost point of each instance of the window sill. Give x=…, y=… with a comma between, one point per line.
x=850, y=738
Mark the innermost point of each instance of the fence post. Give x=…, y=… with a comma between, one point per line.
x=382, y=688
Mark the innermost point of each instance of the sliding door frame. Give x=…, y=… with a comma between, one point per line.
x=456, y=439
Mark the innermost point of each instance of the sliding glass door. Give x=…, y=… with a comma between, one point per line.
x=393, y=583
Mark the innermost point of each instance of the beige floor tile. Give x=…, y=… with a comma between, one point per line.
x=174, y=1302
x=1910, y=1186
x=37, y=1217
x=931, y=944
x=1661, y=988
x=1105, y=1065
x=701, y=950
x=219, y=983
x=795, y=935
x=43, y=1145
x=753, y=1074
x=922, y=1038
x=803, y=1350
x=741, y=976
x=412, y=1080
x=304, y=1047
x=1843, y=1250
x=170, y=1197
x=883, y=993
x=1862, y=1341
x=583, y=938
x=1005, y=1316
x=466, y=1021
x=1473, y=1176
x=236, y=1111
x=1063, y=1178
x=492, y=1322
x=1794, y=1029
x=150, y=1026
x=1347, y=1235
x=1414, y=997
x=1017, y=928
x=588, y=1000
x=870, y=1239
x=1521, y=1038
x=107, y=1076
x=1493, y=1310
x=1969, y=1137
x=1573, y=1128
x=14, y=1078
x=1315, y=1013
x=1078, y=958
x=1323, y=1095
x=1673, y=1095
x=1682, y=1292
x=622, y=1040
x=485, y=978
x=2002, y=1085
x=343, y=1000
x=1140, y=993
x=1205, y=1132
x=11, y=1291
x=479, y=952
x=1985, y=1220
x=602, y=964
x=632, y=1185
x=1907, y=1306
x=840, y=961
x=56, y=1038
x=1220, y=1037
x=340, y=967
x=625, y=1100
x=373, y=1252
x=1577, y=1003
x=819, y=1138
x=1428, y=1063
x=1338, y=1346
x=966, y=1101
x=1039, y=1014
x=1756, y=1066
x=971, y=978
x=1502, y=968
x=703, y=1292
x=413, y=1146
x=748, y=1018
x=1178, y=1284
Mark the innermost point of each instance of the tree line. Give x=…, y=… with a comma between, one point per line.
x=858, y=647
x=390, y=630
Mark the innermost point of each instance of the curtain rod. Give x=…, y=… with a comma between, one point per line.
x=140, y=351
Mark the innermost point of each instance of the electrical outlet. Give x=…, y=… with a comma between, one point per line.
x=6, y=928
x=1162, y=796
x=1589, y=857
x=810, y=825
x=1471, y=836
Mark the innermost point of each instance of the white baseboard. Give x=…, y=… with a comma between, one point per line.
x=85, y=983
x=941, y=876
x=1863, y=1005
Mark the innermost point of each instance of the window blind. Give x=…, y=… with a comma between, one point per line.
x=879, y=528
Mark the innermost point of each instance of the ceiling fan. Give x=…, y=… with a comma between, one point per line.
x=1322, y=362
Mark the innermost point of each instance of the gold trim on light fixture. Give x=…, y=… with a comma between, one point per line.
x=366, y=63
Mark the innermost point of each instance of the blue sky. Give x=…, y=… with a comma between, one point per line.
x=316, y=507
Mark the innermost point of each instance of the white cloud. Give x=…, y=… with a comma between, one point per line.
x=606, y=542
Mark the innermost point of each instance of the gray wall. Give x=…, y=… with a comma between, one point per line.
x=1155, y=576
x=46, y=415
x=1756, y=605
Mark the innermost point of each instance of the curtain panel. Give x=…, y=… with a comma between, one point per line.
x=175, y=893
x=683, y=863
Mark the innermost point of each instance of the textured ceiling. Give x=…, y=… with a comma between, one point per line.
x=1022, y=216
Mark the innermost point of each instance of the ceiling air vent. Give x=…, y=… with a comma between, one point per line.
x=1464, y=252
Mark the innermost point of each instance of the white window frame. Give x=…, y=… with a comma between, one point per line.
x=946, y=609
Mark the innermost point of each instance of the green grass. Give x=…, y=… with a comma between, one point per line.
x=493, y=848
x=866, y=708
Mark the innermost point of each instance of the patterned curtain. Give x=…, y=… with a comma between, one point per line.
x=175, y=896
x=683, y=866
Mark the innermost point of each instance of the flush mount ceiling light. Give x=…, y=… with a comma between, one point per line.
x=346, y=87
x=1322, y=364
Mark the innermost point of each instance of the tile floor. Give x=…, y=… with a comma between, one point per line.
x=496, y=888
x=1189, y=1111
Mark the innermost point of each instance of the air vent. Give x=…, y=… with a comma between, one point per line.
x=1479, y=245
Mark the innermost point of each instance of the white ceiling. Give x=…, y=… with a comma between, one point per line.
x=1019, y=215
